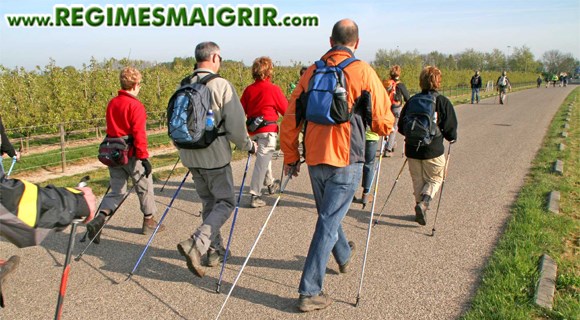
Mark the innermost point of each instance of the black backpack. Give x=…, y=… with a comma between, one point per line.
x=187, y=113
x=420, y=120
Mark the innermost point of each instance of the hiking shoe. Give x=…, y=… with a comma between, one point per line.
x=257, y=202
x=94, y=226
x=215, y=257
x=344, y=268
x=421, y=213
x=311, y=303
x=149, y=226
x=7, y=268
x=192, y=256
x=274, y=187
x=366, y=198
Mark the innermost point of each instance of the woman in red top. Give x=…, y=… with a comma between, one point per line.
x=265, y=100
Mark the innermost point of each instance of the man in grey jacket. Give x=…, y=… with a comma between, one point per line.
x=210, y=167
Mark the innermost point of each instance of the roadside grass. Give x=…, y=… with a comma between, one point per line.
x=509, y=280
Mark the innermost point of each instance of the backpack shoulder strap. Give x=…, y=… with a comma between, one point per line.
x=346, y=62
x=208, y=78
x=320, y=64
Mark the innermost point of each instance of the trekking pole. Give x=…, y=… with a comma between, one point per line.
x=219, y=283
x=282, y=188
x=378, y=170
x=66, y=267
x=169, y=176
x=84, y=238
x=108, y=218
x=390, y=193
x=441, y=192
x=157, y=227
x=11, y=167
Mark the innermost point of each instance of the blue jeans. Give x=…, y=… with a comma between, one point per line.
x=333, y=190
x=369, y=166
x=474, y=94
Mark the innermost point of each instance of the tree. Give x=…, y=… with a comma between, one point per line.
x=556, y=62
x=523, y=60
x=495, y=60
x=470, y=60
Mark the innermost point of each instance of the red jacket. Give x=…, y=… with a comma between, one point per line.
x=126, y=117
x=263, y=98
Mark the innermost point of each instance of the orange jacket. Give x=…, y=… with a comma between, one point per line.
x=343, y=144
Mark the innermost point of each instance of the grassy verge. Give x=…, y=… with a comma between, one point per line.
x=508, y=282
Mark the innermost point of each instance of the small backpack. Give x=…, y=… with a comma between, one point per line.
x=395, y=95
x=474, y=80
x=187, y=112
x=420, y=120
x=325, y=101
x=502, y=81
x=114, y=151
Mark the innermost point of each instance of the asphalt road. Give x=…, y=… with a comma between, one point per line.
x=409, y=274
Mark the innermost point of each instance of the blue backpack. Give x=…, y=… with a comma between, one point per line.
x=187, y=113
x=420, y=120
x=325, y=101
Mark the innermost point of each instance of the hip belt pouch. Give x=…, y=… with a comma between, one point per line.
x=114, y=152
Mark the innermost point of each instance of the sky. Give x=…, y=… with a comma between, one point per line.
x=447, y=26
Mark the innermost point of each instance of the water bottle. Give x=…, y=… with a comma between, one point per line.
x=209, y=121
x=340, y=93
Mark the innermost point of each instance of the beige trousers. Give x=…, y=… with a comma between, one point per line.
x=427, y=176
x=262, y=175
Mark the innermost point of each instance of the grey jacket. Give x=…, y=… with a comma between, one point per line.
x=225, y=105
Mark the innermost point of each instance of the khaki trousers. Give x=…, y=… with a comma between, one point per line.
x=262, y=176
x=144, y=187
x=427, y=176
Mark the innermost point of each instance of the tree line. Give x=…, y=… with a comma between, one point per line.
x=50, y=95
x=520, y=60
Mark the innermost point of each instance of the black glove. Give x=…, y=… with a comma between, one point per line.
x=147, y=165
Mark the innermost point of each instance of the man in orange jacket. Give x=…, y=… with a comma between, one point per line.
x=335, y=156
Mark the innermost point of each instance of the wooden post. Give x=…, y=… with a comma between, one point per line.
x=62, y=148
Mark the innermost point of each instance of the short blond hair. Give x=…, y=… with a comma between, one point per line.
x=262, y=68
x=129, y=77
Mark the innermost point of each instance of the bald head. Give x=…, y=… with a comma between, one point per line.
x=345, y=33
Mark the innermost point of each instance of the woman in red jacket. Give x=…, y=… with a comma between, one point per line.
x=263, y=101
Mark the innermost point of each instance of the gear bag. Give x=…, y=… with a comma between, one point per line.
x=187, y=112
x=502, y=81
x=420, y=120
x=325, y=101
x=395, y=95
x=114, y=152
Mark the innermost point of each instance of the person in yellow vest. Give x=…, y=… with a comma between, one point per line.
x=28, y=212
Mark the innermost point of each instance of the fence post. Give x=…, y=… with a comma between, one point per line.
x=62, y=148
